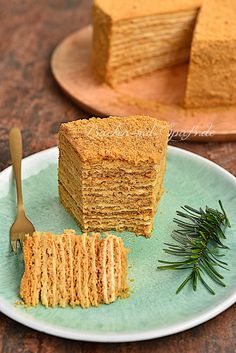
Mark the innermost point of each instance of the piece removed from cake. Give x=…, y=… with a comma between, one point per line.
x=111, y=171
x=68, y=269
x=135, y=37
x=212, y=70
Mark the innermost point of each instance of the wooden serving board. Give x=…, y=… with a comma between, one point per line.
x=159, y=94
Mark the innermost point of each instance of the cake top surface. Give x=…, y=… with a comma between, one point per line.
x=122, y=9
x=216, y=21
x=133, y=139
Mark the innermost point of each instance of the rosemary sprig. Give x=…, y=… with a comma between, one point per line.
x=199, y=236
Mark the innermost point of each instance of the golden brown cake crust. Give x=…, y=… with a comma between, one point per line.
x=134, y=139
x=122, y=9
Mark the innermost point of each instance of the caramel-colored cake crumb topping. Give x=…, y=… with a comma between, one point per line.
x=134, y=139
x=68, y=269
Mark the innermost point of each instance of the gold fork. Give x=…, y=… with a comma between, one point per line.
x=22, y=225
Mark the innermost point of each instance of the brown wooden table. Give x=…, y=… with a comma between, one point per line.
x=31, y=100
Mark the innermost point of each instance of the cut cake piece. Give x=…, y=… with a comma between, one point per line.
x=212, y=71
x=68, y=269
x=132, y=38
x=111, y=171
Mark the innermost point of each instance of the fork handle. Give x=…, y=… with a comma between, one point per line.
x=15, y=142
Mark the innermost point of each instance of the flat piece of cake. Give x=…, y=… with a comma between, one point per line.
x=134, y=37
x=68, y=269
x=212, y=71
x=111, y=171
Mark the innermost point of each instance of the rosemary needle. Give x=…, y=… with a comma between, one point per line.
x=198, y=237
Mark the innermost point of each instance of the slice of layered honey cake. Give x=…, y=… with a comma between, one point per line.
x=68, y=269
x=111, y=171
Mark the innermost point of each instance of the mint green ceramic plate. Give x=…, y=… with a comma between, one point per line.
x=153, y=309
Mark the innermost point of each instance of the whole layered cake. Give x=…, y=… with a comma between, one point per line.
x=68, y=269
x=111, y=172
x=136, y=37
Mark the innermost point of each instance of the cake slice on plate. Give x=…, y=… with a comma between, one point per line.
x=131, y=37
x=69, y=269
x=212, y=71
x=111, y=171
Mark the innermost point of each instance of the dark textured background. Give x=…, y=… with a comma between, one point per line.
x=30, y=99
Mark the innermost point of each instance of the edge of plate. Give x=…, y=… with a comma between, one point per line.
x=109, y=337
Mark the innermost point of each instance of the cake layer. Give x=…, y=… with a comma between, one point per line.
x=103, y=174
x=141, y=223
x=112, y=198
x=162, y=53
x=109, y=212
x=69, y=269
x=105, y=187
x=92, y=203
x=139, y=227
x=115, y=176
x=154, y=40
x=144, y=25
x=212, y=70
x=144, y=66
